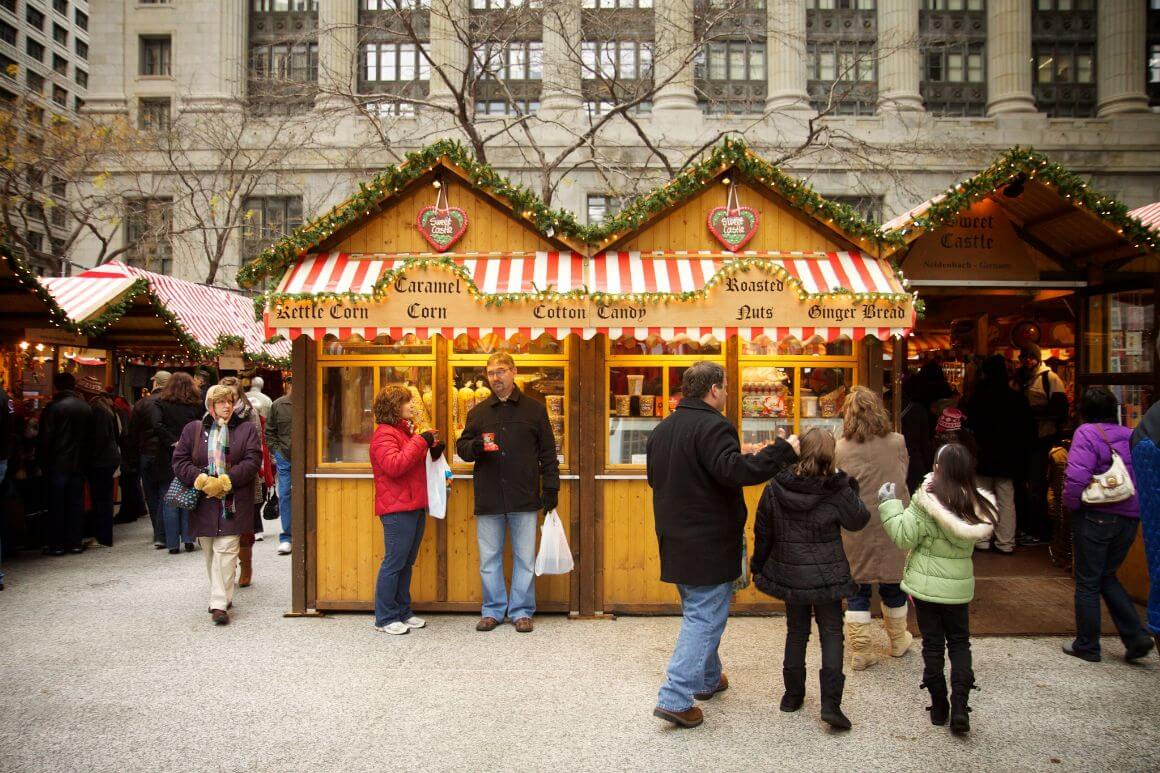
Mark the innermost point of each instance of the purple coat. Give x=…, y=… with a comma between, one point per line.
x=190, y=458
x=1089, y=455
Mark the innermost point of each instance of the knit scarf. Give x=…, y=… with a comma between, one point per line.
x=218, y=451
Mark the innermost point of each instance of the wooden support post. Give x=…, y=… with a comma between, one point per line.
x=302, y=534
x=898, y=367
x=443, y=422
x=584, y=426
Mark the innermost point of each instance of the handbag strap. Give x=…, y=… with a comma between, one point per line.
x=1100, y=430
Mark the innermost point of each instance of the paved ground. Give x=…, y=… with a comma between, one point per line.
x=110, y=664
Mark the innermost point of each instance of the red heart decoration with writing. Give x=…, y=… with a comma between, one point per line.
x=733, y=227
x=441, y=227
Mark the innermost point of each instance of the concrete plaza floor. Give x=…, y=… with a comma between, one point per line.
x=108, y=662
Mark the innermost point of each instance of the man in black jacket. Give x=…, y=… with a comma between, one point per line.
x=516, y=473
x=63, y=443
x=698, y=473
x=141, y=447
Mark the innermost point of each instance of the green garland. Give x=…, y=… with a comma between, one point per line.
x=1035, y=167
x=549, y=222
x=56, y=315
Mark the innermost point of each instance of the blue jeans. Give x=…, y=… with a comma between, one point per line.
x=282, y=466
x=402, y=534
x=695, y=666
x=1102, y=541
x=489, y=533
x=891, y=595
x=153, y=495
x=66, y=508
x=176, y=524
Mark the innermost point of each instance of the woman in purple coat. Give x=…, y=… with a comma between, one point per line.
x=1102, y=533
x=220, y=455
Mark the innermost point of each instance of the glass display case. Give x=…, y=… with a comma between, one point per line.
x=788, y=395
x=347, y=420
x=384, y=344
x=1121, y=335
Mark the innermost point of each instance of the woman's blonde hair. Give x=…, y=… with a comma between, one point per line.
x=864, y=416
x=389, y=403
x=817, y=456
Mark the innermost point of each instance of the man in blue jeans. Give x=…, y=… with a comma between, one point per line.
x=698, y=473
x=509, y=437
x=278, y=441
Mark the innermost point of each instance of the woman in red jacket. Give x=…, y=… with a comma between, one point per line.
x=400, y=502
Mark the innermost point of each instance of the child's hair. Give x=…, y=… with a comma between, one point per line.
x=954, y=485
x=817, y=455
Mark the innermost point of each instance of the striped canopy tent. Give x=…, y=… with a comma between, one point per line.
x=24, y=304
x=343, y=258
x=1148, y=215
x=618, y=274
x=126, y=308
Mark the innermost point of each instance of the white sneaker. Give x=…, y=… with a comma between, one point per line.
x=983, y=545
x=258, y=537
x=284, y=548
x=395, y=629
x=414, y=622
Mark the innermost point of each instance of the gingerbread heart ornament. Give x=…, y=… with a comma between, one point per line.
x=442, y=227
x=733, y=226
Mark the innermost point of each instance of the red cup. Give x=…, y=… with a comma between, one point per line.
x=489, y=442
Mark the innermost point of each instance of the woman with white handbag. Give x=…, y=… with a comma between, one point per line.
x=1100, y=492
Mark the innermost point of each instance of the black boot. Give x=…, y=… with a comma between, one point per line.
x=962, y=682
x=938, y=708
x=795, y=688
x=832, y=683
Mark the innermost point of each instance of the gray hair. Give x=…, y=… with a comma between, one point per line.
x=257, y=383
x=700, y=377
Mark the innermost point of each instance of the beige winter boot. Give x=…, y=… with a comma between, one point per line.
x=895, y=622
x=862, y=654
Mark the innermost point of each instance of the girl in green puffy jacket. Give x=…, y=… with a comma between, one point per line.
x=947, y=515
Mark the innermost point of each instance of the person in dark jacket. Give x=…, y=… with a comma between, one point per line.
x=141, y=445
x=129, y=482
x=1145, y=444
x=1004, y=428
x=798, y=557
x=102, y=458
x=176, y=406
x=63, y=444
x=278, y=439
x=220, y=455
x=697, y=474
x=515, y=474
x=917, y=428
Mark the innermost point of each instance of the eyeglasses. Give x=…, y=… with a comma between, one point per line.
x=497, y=373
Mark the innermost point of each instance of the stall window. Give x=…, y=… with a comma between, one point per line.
x=1121, y=337
x=383, y=344
x=517, y=344
x=347, y=419
x=644, y=386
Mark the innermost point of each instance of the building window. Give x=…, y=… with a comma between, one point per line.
x=153, y=114
x=82, y=49
x=268, y=219
x=953, y=40
x=155, y=55
x=82, y=19
x=59, y=214
x=59, y=64
x=34, y=17
x=953, y=5
x=60, y=35
x=869, y=208
x=1153, y=44
x=597, y=107
x=34, y=48
x=1063, y=65
x=7, y=33
x=601, y=207
x=61, y=7
x=506, y=107
x=389, y=108
x=82, y=78
x=294, y=63
x=283, y=6
x=78, y=104
x=519, y=60
x=618, y=4
x=394, y=62
x=8, y=66
x=35, y=81
x=841, y=5
x=60, y=96
x=841, y=53
x=9, y=5
x=624, y=59
x=148, y=234
x=395, y=5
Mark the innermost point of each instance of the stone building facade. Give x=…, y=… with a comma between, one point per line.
x=915, y=93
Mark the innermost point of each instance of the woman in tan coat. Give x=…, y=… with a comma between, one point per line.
x=871, y=454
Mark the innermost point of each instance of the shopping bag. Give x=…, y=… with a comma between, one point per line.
x=555, y=557
x=438, y=482
x=270, y=511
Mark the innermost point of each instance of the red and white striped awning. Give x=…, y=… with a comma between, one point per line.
x=620, y=273
x=206, y=313
x=1149, y=215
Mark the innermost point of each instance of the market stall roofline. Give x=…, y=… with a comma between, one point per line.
x=1111, y=231
x=559, y=226
x=23, y=293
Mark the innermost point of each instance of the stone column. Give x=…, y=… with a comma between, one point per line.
x=672, y=57
x=111, y=62
x=787, y=77
x=1009, y=57
x=209, y=60
x=448, y=47
x=562, y=72
x=1120, y=52
x=337, y=51
x=900, y=66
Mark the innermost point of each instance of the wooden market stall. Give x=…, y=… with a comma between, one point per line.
x=732, y=261
x=1027, y=251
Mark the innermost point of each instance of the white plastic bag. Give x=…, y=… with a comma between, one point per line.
x=438, y=481
x=555, y=557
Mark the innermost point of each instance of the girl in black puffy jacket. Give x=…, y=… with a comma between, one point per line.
x=798, y=557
